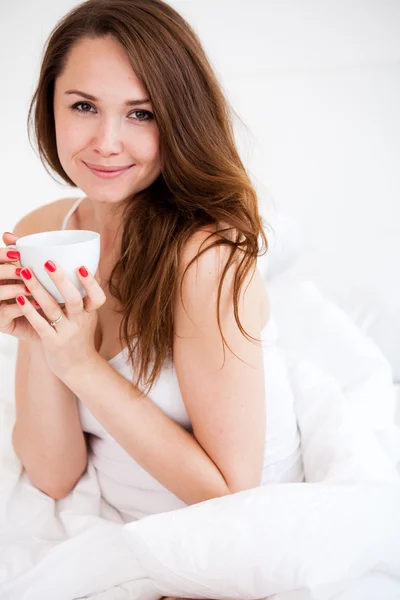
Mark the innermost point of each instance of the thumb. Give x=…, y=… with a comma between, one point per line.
x=9, y=238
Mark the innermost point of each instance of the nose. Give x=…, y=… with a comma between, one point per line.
x=107, y=139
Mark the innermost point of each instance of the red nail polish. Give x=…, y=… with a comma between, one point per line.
x=83, y=272
x=27, y=289
x=14, y=254
x=18, y=271
x=21, y=300
x=50, y=266
x=26, y=273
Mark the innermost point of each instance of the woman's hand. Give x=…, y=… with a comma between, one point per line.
x=69, y=343
x=12, y=321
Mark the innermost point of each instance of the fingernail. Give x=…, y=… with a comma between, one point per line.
x=18, y=271
x=26, y=273
x=13, y=254
x=9, y=233
x=83, y=272
x=50, y=266
x=21, y=300
x=27, y=289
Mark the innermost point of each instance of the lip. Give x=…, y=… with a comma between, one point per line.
x=107, y=172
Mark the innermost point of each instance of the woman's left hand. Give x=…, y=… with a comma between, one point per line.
x=70, y=343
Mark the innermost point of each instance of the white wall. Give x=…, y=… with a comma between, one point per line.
x=317, y=84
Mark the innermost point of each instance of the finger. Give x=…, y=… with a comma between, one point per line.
x=39, y=323
x=72, y=296
x=12, y=310
x=9, y=255
x=10, y=272
x=11, y=290
x=27, y=292
x=95, y=296
x=9, y=237
x=47, y=302
x=8, y=314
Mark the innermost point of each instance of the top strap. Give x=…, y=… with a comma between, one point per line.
x=71, y=212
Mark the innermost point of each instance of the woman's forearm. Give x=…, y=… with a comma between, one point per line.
x=48, y=436
x=161, y=446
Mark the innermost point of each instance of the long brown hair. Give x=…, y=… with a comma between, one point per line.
x=202, y=182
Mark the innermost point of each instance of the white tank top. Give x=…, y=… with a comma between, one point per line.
x=133, y=491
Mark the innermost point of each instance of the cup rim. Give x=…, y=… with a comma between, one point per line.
x=23, y=243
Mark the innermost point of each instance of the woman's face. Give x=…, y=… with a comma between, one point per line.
x=103, y=130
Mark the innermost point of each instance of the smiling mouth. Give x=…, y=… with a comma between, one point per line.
x=107, y=174
x=107, y=169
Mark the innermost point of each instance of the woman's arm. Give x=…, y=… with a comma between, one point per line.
x=47, y=436
x=226, y=406
x=160, y=445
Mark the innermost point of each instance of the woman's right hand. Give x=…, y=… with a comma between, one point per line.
x=12, y=321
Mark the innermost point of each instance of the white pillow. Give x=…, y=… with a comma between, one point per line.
x=309, y=539
x=285, y=243
x=312, y=327
x=362, y=280
x=304, y=540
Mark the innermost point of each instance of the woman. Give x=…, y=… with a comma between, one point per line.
x=191, y=400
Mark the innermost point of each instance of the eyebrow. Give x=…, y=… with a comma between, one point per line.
x=94, y=99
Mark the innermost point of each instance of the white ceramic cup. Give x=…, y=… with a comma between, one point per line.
x=69, y=249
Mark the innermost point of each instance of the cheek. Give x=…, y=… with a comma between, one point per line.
x=146, y=148
x=69, y=138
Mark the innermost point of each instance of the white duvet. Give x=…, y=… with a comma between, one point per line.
x=337, y=536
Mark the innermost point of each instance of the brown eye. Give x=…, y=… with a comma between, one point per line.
x=146, y=113
x=75, y=107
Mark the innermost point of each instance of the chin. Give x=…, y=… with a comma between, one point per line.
x=110, y=194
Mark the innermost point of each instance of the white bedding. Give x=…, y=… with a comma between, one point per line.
x=335, y=537
x=397, y=396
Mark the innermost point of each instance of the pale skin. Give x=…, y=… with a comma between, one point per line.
x=105, y=133
x=226, y=405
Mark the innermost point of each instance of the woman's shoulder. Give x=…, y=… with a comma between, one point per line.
x=47, y=217
x=255, y=284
